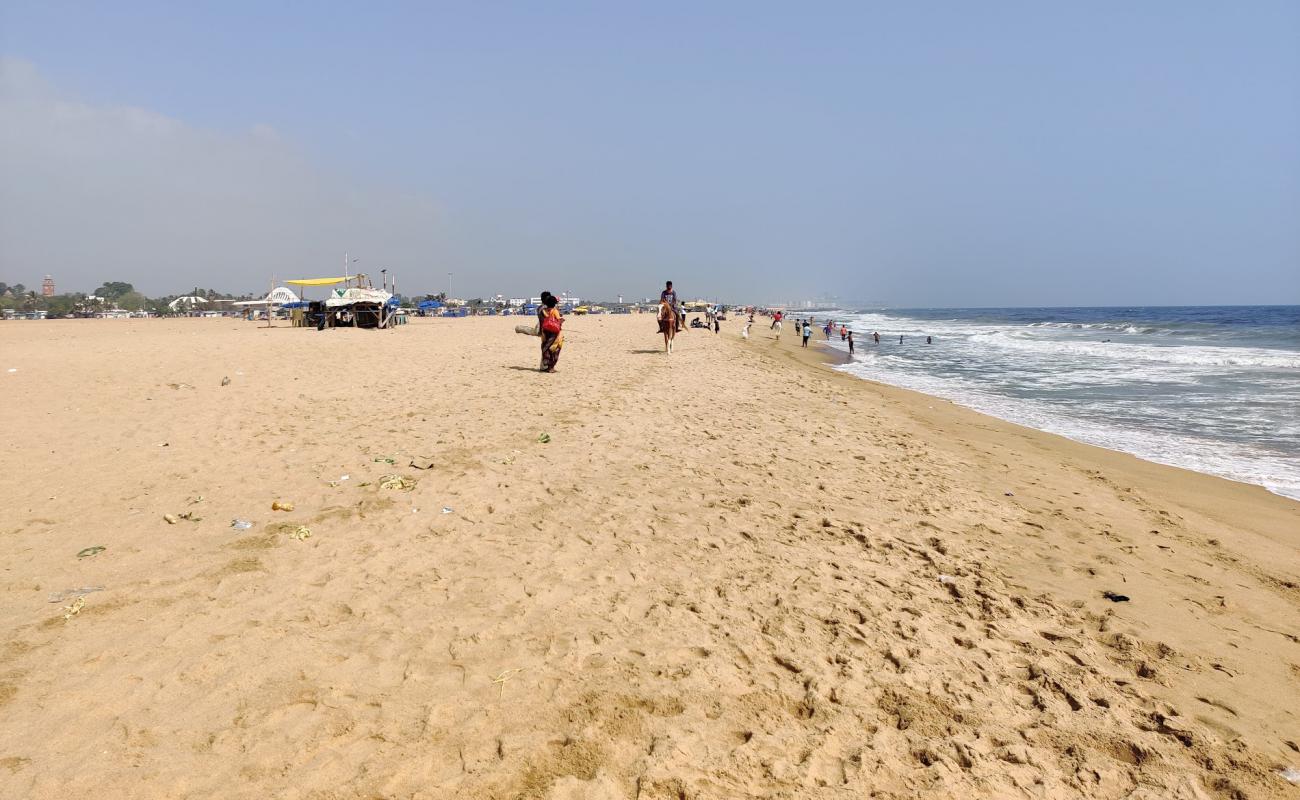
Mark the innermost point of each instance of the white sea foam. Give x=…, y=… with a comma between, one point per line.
x=1202, y=405
x=1182, y=355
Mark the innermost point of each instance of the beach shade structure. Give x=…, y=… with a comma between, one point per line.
x=317, y=281
x=278, y=296
x=186, y=302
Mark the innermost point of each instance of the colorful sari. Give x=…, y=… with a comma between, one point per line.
x=551, y=342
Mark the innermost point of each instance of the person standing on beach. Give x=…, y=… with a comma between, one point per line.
x=549, y=325
x=807, y=334
x=843, y=332
x=850, y=342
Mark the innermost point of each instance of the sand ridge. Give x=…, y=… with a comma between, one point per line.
x=730, y=573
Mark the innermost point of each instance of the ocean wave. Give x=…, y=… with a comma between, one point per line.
x=1235, y=461
x=1184, y=355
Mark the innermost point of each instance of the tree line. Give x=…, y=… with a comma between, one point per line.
x=111, y=294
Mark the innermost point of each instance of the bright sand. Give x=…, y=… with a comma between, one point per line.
x=723, y=577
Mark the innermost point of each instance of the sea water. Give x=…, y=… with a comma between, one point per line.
x=1213, y=389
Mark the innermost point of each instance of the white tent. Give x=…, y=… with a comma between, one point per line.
x=278, y=297
x=189, y=302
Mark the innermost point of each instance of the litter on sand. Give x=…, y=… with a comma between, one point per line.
x=189, y=515
x=420, y=462
x=279, y=506
x=73, y=610
x=397, y=482
x=59, y=597
x=240, y=524
x=302, y=533
x=947, y=580
x=1290, y=774
x=1115, y=598
x=446, y=509
x=545, y=438
x=386, y=460
x=172, y=519
x=91, y=551
x=13, y=369
x=225, y=381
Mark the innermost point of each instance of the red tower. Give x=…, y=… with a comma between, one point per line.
x=47, y=287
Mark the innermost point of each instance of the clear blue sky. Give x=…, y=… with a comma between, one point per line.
x=1000, y=153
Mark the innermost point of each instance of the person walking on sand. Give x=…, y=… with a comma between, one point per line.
x=551, y=325
x=850, y=343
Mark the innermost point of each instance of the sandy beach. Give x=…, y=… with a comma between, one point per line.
x=731, y=572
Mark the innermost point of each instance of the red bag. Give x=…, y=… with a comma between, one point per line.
x=552, y=324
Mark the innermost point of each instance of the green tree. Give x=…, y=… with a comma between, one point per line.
x=132, y=301
x=113, y=290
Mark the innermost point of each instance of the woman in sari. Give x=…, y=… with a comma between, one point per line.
x=552, y=340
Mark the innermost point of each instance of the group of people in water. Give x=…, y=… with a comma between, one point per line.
x=804, y=329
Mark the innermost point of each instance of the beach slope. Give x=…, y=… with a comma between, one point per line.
x=729, y=572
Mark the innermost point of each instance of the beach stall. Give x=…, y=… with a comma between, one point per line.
x=353, y=302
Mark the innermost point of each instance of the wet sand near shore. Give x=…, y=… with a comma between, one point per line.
x=730, y=572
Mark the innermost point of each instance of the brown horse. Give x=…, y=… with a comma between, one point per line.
x=668, y=325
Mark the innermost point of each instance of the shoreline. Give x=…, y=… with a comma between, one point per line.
x=773, y=578
x=831, y=357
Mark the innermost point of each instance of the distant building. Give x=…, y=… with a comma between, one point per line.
x=47, y=287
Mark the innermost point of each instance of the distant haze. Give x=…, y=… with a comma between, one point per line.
x=915, y=154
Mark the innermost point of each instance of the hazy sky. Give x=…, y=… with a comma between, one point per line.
x=910, y=153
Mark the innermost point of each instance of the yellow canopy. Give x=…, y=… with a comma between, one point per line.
x=317, y=281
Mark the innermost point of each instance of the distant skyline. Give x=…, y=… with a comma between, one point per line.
x=961, y=155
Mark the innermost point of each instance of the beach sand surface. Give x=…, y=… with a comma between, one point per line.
x=731, y=572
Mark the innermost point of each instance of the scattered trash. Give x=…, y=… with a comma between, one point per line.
x=164, y=444
x=302, y=533
x=74, y=609
x=180, y=386
x=59, y=597
x=189, y=515
x=545, y=438
x=172, y=519
x=446, y=509
x=422, y=463
x=387, y=460
x=397, y=482
x=13, y=369
x=501, y=679
x=195, y=501
x=91, y=551
x=1291, y=774
x=225, y=381
x=279, y=506
x=345, y=477
x=240, y=524
x=947, y=580
x=1009, y=494
x=1115, y=598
